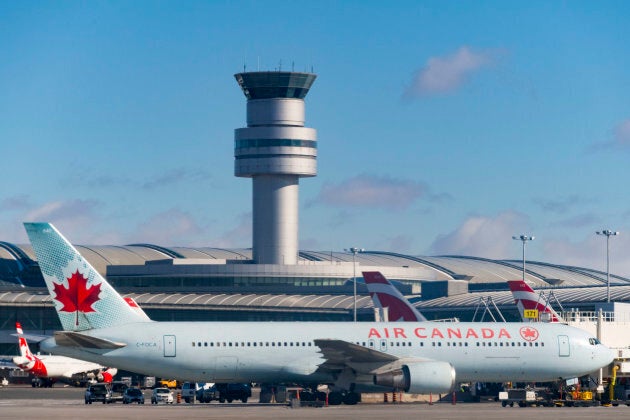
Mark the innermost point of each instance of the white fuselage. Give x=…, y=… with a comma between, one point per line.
x=50, y=366
x=286, y=351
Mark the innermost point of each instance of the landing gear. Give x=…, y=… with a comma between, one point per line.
x=351, y=398
x=348, y=398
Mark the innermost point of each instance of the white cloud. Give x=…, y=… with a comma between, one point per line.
x=170, y=228
x=372, y=192
x=622, y=133
x=560, y=205
x=447, y=73
x=620, y=138
x=16, y=202
x=483, y=236
x=238, y=237
x=591, y=253
x=74, y=218
x=399, y=243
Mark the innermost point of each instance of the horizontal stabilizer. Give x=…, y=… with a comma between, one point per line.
x=74, y=339
x=33, y=338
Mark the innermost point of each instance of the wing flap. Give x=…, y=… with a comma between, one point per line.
x=339, y=352
x=74, y=339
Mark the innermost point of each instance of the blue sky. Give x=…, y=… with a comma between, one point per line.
x=443, y=127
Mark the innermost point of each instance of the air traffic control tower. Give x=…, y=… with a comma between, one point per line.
x=275, y=150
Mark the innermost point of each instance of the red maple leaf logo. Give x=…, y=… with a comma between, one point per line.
x=77, y=297
x=529, y=334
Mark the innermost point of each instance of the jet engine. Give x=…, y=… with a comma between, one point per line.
x=419, y=378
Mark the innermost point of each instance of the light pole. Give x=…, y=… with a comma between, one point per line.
x=608, y=233
x=354, y=251
x=523, y=238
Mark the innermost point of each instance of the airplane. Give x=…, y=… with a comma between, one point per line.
x=48, y=368
x=349, y=357
x=526, y=299
x=385, y=295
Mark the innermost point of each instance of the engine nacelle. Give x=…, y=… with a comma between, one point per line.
x=419, y=378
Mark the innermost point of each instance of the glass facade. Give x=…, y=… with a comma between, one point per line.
x=275, y=84
x=245, y=143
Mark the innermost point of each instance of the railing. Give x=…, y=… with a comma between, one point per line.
x=592, y=316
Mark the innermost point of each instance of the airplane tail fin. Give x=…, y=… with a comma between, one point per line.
x=526, y=298
x=82, y=297
x=25, y=351
x=385, y=295
x=134, y=305
x=107, y=375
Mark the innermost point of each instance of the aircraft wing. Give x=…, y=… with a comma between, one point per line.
x=75, y=339
x=340, y=354
x=35, y=338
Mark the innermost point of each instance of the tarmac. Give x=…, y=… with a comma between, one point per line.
x=67, y=402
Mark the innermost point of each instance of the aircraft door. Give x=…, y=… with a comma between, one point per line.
x=383, y=344
x=169, y=346
x=225, y=368
x=564, y=350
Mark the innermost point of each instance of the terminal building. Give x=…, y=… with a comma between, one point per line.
x=274, y=280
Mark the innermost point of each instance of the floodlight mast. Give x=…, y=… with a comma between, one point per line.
x=354, y=251
x=608, y=233
x=524, y=239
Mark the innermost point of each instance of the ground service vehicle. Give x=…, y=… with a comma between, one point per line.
x=131, y=395
x=188, y=391
x=168, y=383
x=117, y=390
x=162, y=395
x=205, y=394
x=231, y=392
x=98, y=392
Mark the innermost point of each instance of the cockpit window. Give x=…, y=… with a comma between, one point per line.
x=594, y=341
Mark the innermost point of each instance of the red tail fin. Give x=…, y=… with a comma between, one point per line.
x=385, y=295
x=525, y=298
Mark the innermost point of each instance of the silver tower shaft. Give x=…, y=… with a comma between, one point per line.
x=275, y=150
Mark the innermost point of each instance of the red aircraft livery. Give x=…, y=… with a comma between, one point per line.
x=529, y=333
x=446, y=332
